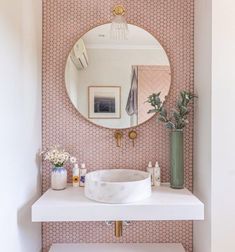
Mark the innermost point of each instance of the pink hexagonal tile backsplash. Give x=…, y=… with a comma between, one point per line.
x=64, y=21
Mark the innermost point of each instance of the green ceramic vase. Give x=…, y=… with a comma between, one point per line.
x=177, y=159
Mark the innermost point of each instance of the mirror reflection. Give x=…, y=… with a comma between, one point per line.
x=108, y=81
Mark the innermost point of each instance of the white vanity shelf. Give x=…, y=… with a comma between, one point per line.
x=71, y=205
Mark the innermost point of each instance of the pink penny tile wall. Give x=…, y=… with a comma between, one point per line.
x=64, y=21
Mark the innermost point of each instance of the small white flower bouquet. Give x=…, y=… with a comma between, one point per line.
x=57, y=156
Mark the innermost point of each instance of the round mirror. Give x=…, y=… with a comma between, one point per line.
x=108, y=81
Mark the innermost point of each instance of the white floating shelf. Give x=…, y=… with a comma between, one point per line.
x=71, y=205
x=141, y=247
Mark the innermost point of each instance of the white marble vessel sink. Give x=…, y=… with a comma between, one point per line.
x=118, y=186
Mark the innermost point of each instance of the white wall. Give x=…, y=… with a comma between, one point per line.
x=223, y=125
x=20, y=127
x=214, y=169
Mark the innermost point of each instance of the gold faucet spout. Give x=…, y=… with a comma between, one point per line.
x=118, y=136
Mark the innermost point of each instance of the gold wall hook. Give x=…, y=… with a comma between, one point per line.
x=118, y=136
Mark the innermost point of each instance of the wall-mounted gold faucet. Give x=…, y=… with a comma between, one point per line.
x=118, y=136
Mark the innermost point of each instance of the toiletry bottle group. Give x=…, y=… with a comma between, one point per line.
x=79, y=175
x=155, y=173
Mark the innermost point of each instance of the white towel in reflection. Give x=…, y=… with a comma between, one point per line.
x=132, y=101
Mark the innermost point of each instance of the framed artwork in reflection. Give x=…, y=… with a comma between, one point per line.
x=104, y=102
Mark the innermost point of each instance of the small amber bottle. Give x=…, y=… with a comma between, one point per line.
x=76, y=178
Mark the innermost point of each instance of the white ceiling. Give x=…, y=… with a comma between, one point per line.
x=138, y=38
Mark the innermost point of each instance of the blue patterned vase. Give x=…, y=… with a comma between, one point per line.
x=58, y=178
